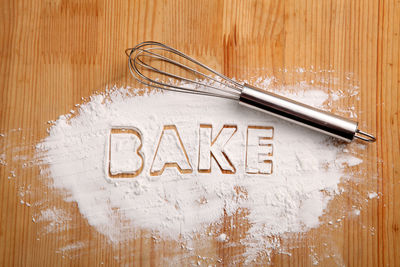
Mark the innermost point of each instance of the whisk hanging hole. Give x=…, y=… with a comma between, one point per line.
x=364, y=136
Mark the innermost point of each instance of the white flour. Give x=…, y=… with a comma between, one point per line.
x=306, y=166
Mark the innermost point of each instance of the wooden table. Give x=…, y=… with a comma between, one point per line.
x=55, y=52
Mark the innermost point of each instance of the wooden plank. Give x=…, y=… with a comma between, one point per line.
x=55, y=52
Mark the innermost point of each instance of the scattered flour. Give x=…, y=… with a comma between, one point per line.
x=54, y=218
x=348, y=160
x=3, y=159
x=372, y=195
x=71, y=247
x=289, y=195
x=222, y=238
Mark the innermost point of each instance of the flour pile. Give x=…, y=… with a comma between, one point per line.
x=281, y=174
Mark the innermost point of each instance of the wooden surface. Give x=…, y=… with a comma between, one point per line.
x=55, y=52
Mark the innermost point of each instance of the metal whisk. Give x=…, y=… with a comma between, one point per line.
x=149, y=58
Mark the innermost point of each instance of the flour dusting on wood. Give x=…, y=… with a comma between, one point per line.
x=277, y=176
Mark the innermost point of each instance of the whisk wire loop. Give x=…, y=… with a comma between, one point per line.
x=149, y=50
x=178, y=77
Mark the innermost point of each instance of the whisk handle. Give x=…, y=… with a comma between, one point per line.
x=302, y=114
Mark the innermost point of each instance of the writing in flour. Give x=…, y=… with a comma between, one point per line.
x=126, y=159
x=188, y=156
x=125, y=156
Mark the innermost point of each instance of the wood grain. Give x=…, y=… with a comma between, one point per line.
x=53, y=53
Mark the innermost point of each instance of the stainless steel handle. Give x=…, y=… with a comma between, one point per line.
x=305, y=115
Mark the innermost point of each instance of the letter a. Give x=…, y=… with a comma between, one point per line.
x=170, y=153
